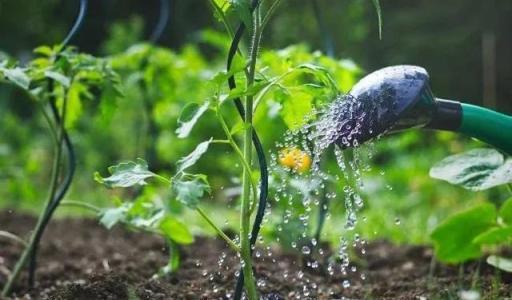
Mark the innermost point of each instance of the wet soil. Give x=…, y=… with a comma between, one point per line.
x=80, y=259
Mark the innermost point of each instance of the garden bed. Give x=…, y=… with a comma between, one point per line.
x=80, y=259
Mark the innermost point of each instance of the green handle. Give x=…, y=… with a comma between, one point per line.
x=488, y=126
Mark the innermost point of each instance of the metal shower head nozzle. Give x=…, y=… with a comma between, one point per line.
x=389, y=99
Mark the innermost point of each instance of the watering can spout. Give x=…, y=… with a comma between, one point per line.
x=400, y=97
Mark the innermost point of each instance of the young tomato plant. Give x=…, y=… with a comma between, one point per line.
x=252, y=84
x=147, y=213
x=466, y=234
x=58, y=80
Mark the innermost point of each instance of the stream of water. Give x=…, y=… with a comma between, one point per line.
x=332, y=132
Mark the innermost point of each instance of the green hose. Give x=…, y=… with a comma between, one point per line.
x=488, y=126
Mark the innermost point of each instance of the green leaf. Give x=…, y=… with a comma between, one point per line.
x=321, y=73
x=476, y=170
x=223, y=4
x=192, y=158
x=17, y=76
x=58, y=77
x=176, y=231
x=44, y=50
x=501, y=263
x=126, y=174
x=243, y=10
x=74, y=103
x=111, y=216
x=190, y=191
x=189, y=116
x=376, y=3
x=296, y=108
x=505, y=212
x=453, y=237
x=242, y=91
x=494, y=236
x=220, y=78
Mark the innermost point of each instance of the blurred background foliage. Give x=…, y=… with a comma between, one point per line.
x=464, y=44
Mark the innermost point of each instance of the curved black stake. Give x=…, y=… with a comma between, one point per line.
x=78, y=23
x=324, y=31
x=71, y=159
x=260, y=213
x=163, y=19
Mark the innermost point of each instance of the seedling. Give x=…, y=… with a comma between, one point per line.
x=58, y=81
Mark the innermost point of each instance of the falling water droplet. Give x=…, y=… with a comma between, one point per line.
x=346, y=284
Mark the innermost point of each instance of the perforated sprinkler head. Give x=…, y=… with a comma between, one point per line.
x=399, y=97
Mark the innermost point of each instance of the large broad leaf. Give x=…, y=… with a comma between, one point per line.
x=476, y=170
x=188, y=118
x=126, y=174
x=192, y=158
x=504, y=264
x=494, y=236
x=17, y=76
x=190, y=190
x=176, y=231
x=453, y=239
x=505, y=212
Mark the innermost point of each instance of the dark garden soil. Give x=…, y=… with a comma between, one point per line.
x=80, y=259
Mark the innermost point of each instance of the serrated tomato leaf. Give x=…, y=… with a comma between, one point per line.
x=476, y=170
x=126, y=174
x=191, y=189
x=111, y=216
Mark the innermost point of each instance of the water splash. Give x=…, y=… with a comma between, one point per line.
x=343, y=124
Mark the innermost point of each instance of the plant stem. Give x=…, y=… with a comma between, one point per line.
x=245, y=213
x=81, y=204
x=22, y=261
x=237, y=151
x=220, y=142
x=509, y=186
x=208, y=220
x=218, y=230
x=12, y=237
x=223, y=18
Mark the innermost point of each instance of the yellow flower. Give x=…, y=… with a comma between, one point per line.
x=295, y=159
